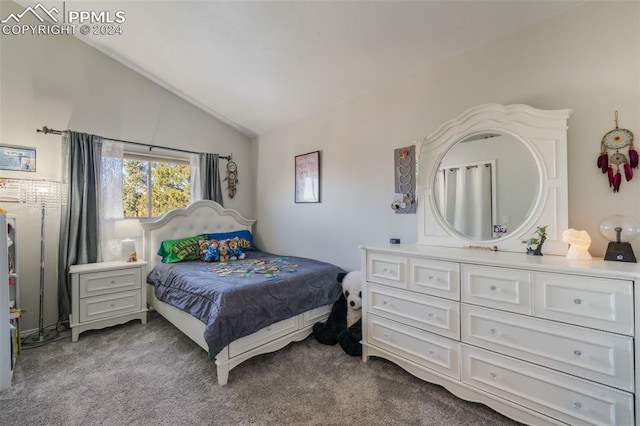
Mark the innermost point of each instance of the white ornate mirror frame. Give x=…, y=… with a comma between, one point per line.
x=543, y=132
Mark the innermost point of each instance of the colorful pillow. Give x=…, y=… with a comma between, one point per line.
x=173, y=251
x=245, y=239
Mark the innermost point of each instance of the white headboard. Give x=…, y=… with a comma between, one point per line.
x=200, y=217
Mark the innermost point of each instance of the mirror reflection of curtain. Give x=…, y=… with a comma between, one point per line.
x=465, y=199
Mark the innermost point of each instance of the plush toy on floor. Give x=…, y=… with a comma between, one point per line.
x=344, y=325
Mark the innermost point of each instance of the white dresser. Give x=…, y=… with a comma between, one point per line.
x=541, y=339
x=105, y=294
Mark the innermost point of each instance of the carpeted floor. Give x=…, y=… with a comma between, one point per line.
x=152, y=374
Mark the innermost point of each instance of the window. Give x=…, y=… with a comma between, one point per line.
x=153, y=186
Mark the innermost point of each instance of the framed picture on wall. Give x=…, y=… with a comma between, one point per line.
x=307, y=169
x=17, y=158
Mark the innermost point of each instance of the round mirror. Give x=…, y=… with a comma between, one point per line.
x=486, y=185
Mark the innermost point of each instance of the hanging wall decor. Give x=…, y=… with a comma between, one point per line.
x=611, y=158
x=232, y=178
x=405, y=180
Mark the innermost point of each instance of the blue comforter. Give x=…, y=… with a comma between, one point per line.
x=243, y=296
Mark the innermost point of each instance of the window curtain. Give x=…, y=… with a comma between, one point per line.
x=79, y=219
x=205, y=178
x=111, y=199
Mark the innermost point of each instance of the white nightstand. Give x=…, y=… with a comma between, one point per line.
x=105, y=294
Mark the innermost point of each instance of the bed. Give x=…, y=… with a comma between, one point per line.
x=246, y=313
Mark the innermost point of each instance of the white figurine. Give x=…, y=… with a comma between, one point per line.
x=580, y=242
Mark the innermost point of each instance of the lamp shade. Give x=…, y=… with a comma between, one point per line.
x=126, y=228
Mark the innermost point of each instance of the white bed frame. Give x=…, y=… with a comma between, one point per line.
x=206, y=217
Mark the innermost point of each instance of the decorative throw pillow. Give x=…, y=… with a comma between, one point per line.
x=173, y=251
x=245, y=239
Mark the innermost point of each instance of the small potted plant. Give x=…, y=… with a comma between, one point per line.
x=534, y=244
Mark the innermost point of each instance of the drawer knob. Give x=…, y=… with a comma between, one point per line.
x=577, y=301
x=385, y=302
x=431, y=353
x=113, y=281
x=493, y=288
x=577, y=405
x=385, y=270
x=113, y=305
x=493, y=375
x=577, y=353
x=432, y=277
x=430, y=314
x=386, y=336
x=493, y=331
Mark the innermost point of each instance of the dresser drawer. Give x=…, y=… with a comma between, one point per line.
x=603, y=357
x=429, y=313
x=501, y=288
x=558, y=395
x=265, y=335
x=387, y=269
x=435, y=277
x=605, y=304
x=109, y=305
x=104, y=282
x=426, y=349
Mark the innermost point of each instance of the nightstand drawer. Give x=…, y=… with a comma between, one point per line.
x=92, y=308
x=501, y=288
x=387, y=269
x=429, y=313
x=105, y=282
x=605, y=304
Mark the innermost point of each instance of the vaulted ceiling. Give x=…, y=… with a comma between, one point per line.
x=258, y=65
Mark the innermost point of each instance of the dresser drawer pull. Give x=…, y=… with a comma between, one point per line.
x=577, y=353
x=113, y=281
x=578, y=405
x=433, y=278
x=431, y=353
x=577, y=301
x=493, y=375
x=113, y=305
x=430, y=315
x=386, y=303
x=493, y=288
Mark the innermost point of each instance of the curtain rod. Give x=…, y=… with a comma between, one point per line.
x=47, y=130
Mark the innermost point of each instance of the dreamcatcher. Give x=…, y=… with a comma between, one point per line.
x=617, y=139
x=232, y=178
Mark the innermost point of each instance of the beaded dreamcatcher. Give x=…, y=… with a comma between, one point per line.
x=615, y=140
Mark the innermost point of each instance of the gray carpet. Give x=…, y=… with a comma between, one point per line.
x=152, y=374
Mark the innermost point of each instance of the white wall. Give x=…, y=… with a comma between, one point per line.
x=63, y=83
x=586, y=59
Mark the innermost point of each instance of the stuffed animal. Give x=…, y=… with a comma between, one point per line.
x=234, y=251
x=211, y=254
x=223, y=250
x=344, y=325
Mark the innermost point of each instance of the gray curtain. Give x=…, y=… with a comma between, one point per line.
x=79, y=219
x=210, y=178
